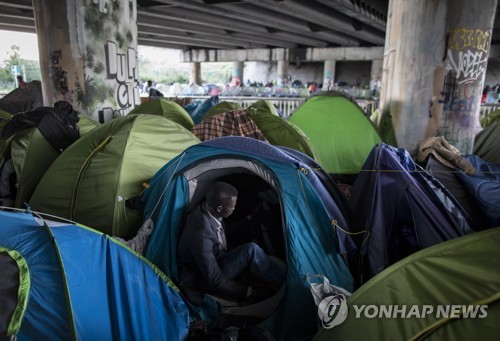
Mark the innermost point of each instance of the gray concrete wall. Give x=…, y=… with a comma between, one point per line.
x=492, y=73
x=306, y=71
x=353, y=72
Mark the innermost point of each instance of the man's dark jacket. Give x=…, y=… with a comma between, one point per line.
x=197, y=254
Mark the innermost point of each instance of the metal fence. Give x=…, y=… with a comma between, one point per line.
x=285, y=104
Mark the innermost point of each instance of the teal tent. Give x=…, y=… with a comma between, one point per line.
x=64, y=281
x=462, y=272
x=91, y=181
x=281, y=195
x=341, y=133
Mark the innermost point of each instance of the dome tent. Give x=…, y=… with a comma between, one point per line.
x=67, y=282
x=90, y=181
x=220, y=108
x=462, y=272
x=277, y=130
x=265, y=176
x=341, y=133
x=167, y=109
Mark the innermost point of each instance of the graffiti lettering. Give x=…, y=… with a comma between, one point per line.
x=123, y=68
x=102, y=5
x=462, y=38
x=462, y=105
x=469, y=66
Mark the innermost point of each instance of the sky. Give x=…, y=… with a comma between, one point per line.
x=28, y=45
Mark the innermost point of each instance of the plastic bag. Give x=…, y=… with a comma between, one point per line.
x=330, y=300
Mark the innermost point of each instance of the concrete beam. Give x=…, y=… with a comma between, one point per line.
x=345, y=53
x=235, y=55
x=312, y=54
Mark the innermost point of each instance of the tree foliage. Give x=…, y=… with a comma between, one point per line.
x=31, y=68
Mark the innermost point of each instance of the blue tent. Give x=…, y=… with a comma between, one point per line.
x=302, y=233
x=198, y=109
x=484, y=187
x=401, y=208
x=62, y=281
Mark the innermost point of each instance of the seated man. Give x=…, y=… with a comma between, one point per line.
x=206, y=265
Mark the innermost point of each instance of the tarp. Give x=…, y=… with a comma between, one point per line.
x=401, y=208
x=230, y=123
x=341, y=133
x=461, y=272
x=23, y=99
x=167, y=109
x=304, y=229
x=201, y=109
x=91, y=180
x=70, y=282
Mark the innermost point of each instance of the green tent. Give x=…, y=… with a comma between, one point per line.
x=492, y=117
x=341, y=133
x=167, y=109
x=86, y=124
x=4, y=119
x=32, y=155
x=462, y=271
x=262, y=106
x=90, y=181
x=487, y=143
x=221, y=108
x=278, y=131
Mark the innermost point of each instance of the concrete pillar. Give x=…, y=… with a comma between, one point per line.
x=328, y=75
x=237, y=78
x=414, y=48
x=376, y=76
x=88, y=54
x=469, y=29
x=195, y=76
x=282, y=73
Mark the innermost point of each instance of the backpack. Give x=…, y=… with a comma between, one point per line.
x=155, y=93
x=58, y=124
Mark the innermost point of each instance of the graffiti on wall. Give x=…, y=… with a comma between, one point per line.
x=58, y=75
x=460, y=103
x=468, y=65
x=467, y=53
x=123, y=69
x=111, y=57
